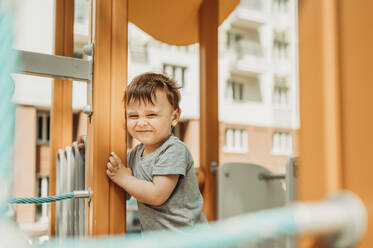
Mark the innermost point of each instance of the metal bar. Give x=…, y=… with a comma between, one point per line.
x=263, y=176
x=88, y=50
x=68, y=188
x=54, y=66
x=83, y=193
x=291, y=180
x=53, y=198
x=213, y=166
x=290, y=194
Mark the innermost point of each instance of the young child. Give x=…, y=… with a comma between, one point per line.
x=160, y=173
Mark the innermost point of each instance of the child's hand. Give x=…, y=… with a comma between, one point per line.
x=80, y=142
x=116, y=171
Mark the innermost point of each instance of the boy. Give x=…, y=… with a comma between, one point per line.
x=160, y=173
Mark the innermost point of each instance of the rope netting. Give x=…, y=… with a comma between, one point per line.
x=38, y=200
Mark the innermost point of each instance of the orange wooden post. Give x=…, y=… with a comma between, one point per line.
x=335, y=99
x=118, y=142
x=209, y=122
x=61, y=111
x=320, y=106
x=107, y=131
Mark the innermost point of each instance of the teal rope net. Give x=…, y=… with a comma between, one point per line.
x=7, y=108
x=38, y=200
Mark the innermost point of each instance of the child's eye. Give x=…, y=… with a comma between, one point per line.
x=152, y=115
x=133, y=116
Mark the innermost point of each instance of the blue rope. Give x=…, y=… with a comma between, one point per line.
x=41, y=199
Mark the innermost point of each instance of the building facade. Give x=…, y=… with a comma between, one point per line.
x=258, y=86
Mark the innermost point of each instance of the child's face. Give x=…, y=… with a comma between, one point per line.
x=151, y=124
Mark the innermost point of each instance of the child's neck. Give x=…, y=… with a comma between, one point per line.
x=148, y=149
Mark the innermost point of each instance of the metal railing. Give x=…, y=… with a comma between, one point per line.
x=70, y=176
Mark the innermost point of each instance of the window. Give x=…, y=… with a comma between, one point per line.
x=280, y=6
x=233, y=39
x=43, y=126
x=236, y=140
x=243, y=89
x=42, y=209
x=280, y=44
x=177, y=73
x=243, y=44
x=281, y=92
x=282, y=143
x=235, y=90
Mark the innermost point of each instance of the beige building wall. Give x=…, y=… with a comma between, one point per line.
x=260, y=141
x=189, y=133
x=25, y=182
x=42, y=160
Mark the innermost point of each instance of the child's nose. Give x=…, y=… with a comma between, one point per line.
x=142, y=122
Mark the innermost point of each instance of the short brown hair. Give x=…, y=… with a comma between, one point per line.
x=144, y=87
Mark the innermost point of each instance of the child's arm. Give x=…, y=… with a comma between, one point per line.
x=154, y=193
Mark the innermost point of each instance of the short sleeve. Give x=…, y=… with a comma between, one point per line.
x=128, y=196
x=174, y=160
x=129, y=159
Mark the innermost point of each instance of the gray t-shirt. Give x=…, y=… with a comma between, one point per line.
x=184, y=206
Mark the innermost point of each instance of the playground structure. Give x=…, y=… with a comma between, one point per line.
x=334, y=136
x=107, y=208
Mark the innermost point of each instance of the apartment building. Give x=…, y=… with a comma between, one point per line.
x=258, y=86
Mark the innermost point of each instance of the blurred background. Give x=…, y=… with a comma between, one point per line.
x=258, y=92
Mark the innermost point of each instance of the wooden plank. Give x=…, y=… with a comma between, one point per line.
x=335, y=97
x=209, y=122
x=356, y=54
x=320, y=107
x=107, y=125
x=61, y=130
x=118, y=137
x=100, y=120
x=320, y=161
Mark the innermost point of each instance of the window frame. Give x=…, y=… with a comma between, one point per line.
x=282, y=143
x=235, y=140
x=181, y=83
x=43, y=138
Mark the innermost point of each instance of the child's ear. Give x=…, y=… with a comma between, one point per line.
x=175, y=117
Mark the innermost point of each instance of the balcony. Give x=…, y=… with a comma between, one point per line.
x=249, y=57
x=249, y=14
